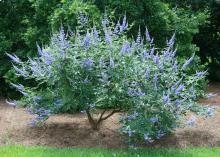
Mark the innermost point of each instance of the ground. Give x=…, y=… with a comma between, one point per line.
x=73, y=130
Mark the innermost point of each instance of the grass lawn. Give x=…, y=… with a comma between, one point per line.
x=21, y=151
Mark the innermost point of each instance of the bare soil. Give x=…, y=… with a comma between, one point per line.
x=74, y=131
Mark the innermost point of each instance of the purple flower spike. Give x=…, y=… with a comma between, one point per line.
x=152, y=53
x=147, y=34
x=117, y=27
x=14, y=58
x=201, y=73
x=108, y=38
x=147, y=74
x=146, y=55
x=138, y=40
x=174, y=53
x=210, y=95
x=157, y=59
x=126, y=48
x=210, y=112
x=11, y=103
x=170, y=43
x=88, y=63
x=124, y=24
x=40, y=51
x=191, y=121
x=112, y=64
x=154, y=119
x=87, y=40
x=179, y=89
x=95, y=33
x=147, y=138
x=185, y=65
x=20, y=72
x=166, y=99
x=175, y=67
x=155, y=78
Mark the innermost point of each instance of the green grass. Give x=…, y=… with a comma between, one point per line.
x=22, y=151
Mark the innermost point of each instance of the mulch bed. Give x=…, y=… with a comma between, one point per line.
x=73, y=130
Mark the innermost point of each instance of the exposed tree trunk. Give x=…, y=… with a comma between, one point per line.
x=95, y=123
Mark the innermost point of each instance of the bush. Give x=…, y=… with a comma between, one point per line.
x=106, y=74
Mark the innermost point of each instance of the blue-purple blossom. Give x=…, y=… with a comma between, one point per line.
x=185, y=65
x=48, y=58
x=129, y=131
x=138, y=40
x=176, y=84
x=201, y=73
x=126, y=48
x=154, y=119
x=130, y=92
x=173, y=53
x=12, y=103
x=124, y=24
x=152, y=41
x=83, y=19
x=40, y=51
x=20, y=72
x=147, y=34
x=62, y=41
x=117, y=27
x=147, y=74
x=170, y=43
x=146, y=54
x=38, y=98
x=96, y=34
x=112, y=63
x=157, y=59
x=166, y=98
x=132, y=116
x=88, y=63
x=14, y=58
x=148, y=138
x=23, y=93
x=178, y=102
x=211, y=95
x=175, y=66
x=134, y=84
x=155, y=78
x=190, y=105
x=179, y=89
x=166, y=55
x=210, y=112
x=191, y=121
x=160, y=134
x=108, y=38
x=139, y=92
x=152, y=53
x=105, y=21
x=19, y=87
x=87, y=40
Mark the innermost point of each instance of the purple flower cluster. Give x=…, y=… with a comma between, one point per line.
x=88, y=63
x=125, y=48
x=14, y=58
x=132, y=116
x=135, y=92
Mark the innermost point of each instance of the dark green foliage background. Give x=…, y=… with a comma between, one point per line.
x=25, y=22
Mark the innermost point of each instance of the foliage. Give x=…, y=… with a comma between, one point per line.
x=209, y=40
x=163, y=20
x=95, y=73
x=24, y=22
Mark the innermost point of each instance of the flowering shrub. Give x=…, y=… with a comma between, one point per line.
x=103, y=72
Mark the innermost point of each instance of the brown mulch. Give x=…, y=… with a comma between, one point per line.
x=73, y=130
